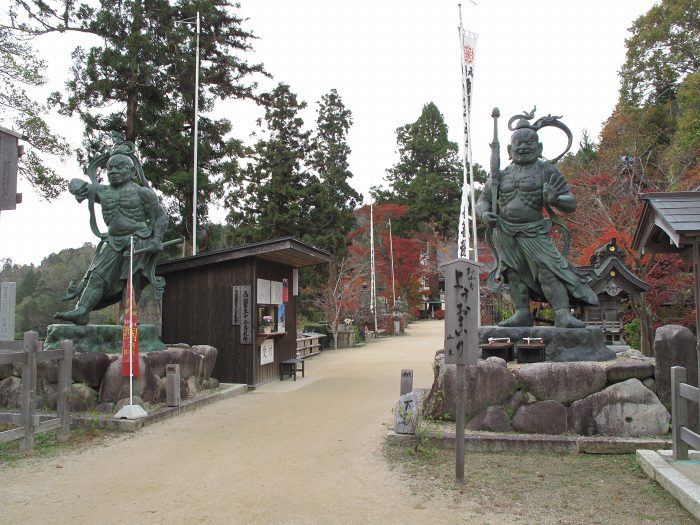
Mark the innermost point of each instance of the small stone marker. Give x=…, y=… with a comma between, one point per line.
x=172, y=385
x=406, y=380
x=8, y=296
x=406, y=414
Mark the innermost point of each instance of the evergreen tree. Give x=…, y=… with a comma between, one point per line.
x=428, y=176
x=20, y=68
x=275, y=190
x=141, y=82
x=332, y=216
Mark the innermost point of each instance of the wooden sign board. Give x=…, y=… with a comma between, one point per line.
x=236, y=321
x=263, y=295
x=246, y=316
x=276, y=290
x=461, y=312
x=267, y=352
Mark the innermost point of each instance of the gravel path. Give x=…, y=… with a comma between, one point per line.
x=289, y=452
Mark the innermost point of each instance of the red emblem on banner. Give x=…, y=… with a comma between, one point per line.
x=130, y=335
x=468, y=54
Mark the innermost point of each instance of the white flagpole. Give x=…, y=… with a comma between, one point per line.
x=391, y=253
x=131, y=324
x=373, y=292
x=196, y=143
x=467, y=243
x=131, y=411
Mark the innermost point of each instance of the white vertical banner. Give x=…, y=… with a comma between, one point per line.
x=467, y=245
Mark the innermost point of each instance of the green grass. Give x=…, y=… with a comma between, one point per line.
x=46, y=444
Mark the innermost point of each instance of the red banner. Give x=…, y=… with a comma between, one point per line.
x=130, y=335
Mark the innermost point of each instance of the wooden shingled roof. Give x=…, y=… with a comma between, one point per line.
x=670, y=222
x=288, y=250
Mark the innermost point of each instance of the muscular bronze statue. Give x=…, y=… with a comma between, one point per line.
x=528, y=264
x=127, y=209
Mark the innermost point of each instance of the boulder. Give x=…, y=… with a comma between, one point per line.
x=115, y=387
x=623, y=409
x=157, y=361
x=516, y=401
x=486, y=384
x=81, y=398
x=186, y=359
x=47, y=370
x=209, y=353
x=650, y=384
x=210, y=384
x=192, y=388
x=46, y=394
x=622, y=370
x=493, y=419
x=562, y=382
x=10, y=394
x=497, y=360
x=89, y=368
x=545, y=417
x=674, y=345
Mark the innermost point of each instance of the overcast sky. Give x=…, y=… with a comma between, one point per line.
x=387, y=59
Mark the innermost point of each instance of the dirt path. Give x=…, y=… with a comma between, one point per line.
x=290, y=452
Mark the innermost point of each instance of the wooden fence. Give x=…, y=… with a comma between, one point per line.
x=28, y=352
x=681, y=393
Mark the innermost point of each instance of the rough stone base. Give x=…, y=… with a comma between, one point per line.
x=561, y=344
x=103, y=338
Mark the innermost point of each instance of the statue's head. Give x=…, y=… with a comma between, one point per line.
x=120, y=169
x=525, y=146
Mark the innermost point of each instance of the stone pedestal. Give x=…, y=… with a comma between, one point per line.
x=561, y=344
x=102, y=338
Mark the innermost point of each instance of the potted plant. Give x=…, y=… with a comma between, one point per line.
x=266, y=324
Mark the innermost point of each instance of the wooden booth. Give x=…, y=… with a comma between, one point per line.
x=241, y=301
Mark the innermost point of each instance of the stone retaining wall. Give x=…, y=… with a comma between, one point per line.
x=614, y=398
x=99, y=385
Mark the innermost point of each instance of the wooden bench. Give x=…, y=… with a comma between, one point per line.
x=290, y=368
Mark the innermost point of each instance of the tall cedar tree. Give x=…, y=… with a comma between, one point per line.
x=427, y=177
x=332, y=216
x=141, y=81
x=275, y=190
x=20, y=68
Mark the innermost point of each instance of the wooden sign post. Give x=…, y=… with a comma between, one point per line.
x=461, y=335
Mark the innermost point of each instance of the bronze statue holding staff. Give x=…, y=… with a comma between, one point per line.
x=528, y=264
x=128, y=209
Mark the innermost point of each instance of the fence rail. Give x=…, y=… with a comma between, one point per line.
x=681, y=393
x=28, y=352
